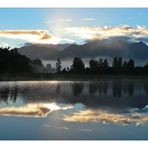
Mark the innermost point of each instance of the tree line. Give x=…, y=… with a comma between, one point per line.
x=101, y=66
x=13, y=62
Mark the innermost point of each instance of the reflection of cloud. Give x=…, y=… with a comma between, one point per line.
x=29, y=111
x=33, y=36
x=108, y=31
x=57, y=127
x=86, y=130
x=106, y=117
x=65, y=128
x=32, y=110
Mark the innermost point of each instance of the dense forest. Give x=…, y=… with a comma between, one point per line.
x=13, y=62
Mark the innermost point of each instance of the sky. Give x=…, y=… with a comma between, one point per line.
x=63, y=25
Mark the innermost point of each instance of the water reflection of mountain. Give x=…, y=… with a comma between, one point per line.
x=108, y=93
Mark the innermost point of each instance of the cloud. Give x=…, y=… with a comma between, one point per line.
x=33, y=36
x=105, y=117
x=108, y=31
x=88, y=19
x=3, y=44
x=59, y=21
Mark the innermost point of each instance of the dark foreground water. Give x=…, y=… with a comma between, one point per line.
x=104, y=109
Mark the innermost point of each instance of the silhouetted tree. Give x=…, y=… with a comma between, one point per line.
x=115, y=62
x=93, y=64
x=58, y=65
x=67, y=69
x=78, y=65
x=125, y=64
x=105, y=64
x=64, y=70
x=100, y=63
x=131, y=64
x=119, y=64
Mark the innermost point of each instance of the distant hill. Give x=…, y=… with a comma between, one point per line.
x=42, y=51
x=39, y=51
x=91, y=49
x=59, y=46
x=108, y=48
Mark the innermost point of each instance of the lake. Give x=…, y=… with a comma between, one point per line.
x=106, y=109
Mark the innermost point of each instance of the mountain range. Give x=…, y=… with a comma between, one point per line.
x=91, y=49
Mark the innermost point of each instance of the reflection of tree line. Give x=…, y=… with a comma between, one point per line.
x=116, y=88
x=77, y=88
x=121, y=91
x=102, y=88
x=28, y=93
x=7, y=93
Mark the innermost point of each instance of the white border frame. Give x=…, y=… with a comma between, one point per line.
x=74, y=3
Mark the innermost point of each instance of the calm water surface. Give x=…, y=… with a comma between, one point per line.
x=103, y=109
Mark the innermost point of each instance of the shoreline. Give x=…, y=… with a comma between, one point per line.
x=66, y=77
